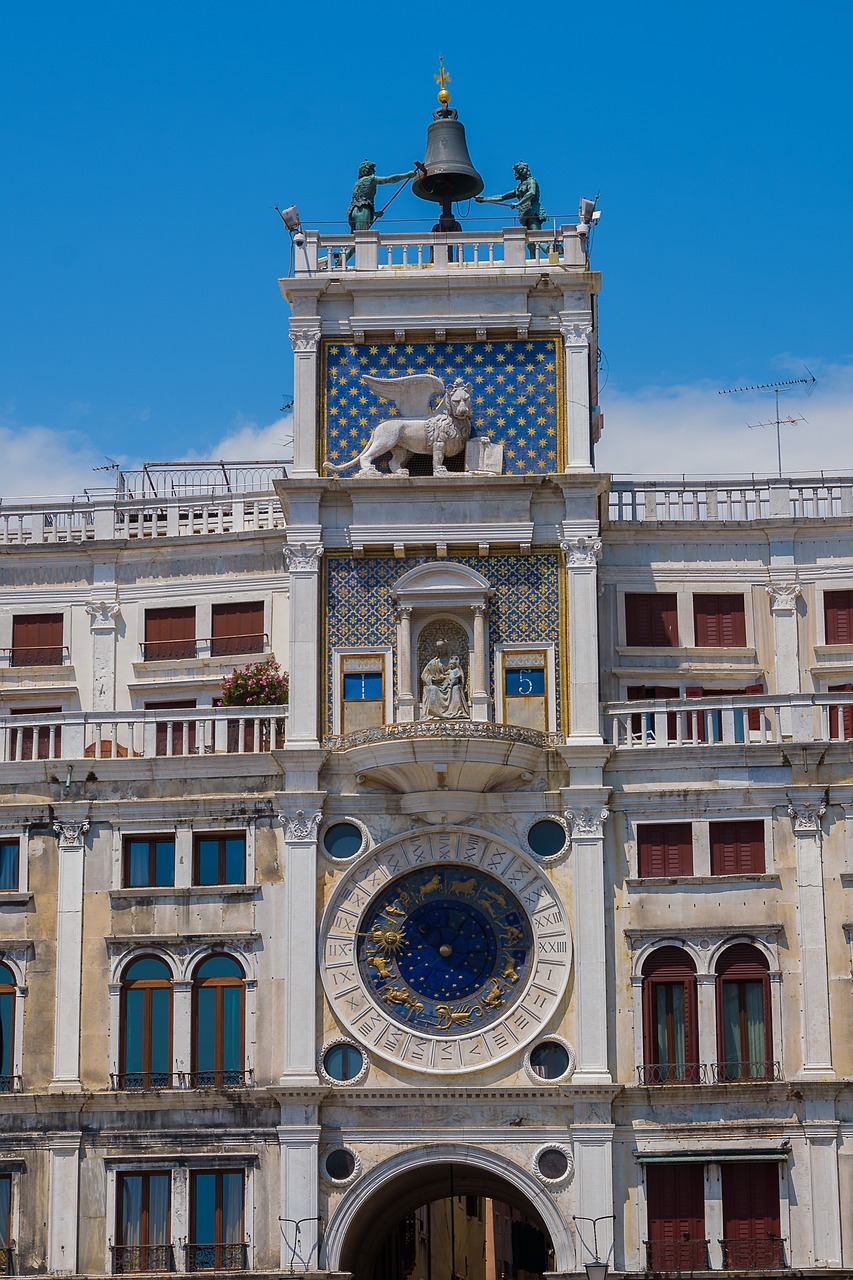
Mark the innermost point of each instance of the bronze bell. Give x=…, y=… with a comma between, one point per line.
x=450, y=175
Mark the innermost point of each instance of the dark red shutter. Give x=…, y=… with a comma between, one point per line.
x=737, y=848
x=37, y=640
x=751, y=1216
x=651, y=619
x=162, y=732
x=669, y=965
x=38, y=738
x=845, y=721
x=719, y=621
x=169, y=634
x=753, y=718
x=838, y=615
x=676, y=1217
x=665, y=849
x=237, y=628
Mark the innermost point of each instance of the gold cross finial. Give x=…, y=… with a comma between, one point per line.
x=442, y=80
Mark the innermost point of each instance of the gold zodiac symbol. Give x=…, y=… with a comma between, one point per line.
x=388, y=938
x=456, y=1017
x=381, y=966
x=431, y=886
x=508, y=972
x=399, y=995
x=394, y=909
x=493, y=896
x=463, y=887
x=512, y=935
x=494, y=999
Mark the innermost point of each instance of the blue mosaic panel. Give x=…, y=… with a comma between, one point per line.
x=359, y=609
x=516, y=394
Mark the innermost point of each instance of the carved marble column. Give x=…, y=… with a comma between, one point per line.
x=303, y=565
x=582, y=557
x=811, y=926
x=299, y=931
x=591, y=999
x=69, y=954
x=480, y=700
x=786, y=662
x=577, y=331
x=405, y=697
x=305, y=338
x=102, y=622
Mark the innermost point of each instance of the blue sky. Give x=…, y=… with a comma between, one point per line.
x=144, y=147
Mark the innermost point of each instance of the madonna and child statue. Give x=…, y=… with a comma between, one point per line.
x=443, y=687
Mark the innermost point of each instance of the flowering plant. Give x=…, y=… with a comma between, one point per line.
x=258, y=684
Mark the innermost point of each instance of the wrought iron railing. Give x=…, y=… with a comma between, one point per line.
x=217, y=1257
x=677, y=1255
x=36, y=655
x=10, y=1084
x=200, y=646
x=754, y=1253
x=134, y=1081
x=131, y=1258
x=218, y=1079
x=757, y=1069
x=673, y=1073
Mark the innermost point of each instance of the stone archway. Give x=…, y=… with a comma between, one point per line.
x=400, y=1185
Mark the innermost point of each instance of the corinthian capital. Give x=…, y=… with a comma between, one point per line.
x=576, y=333
x=582, y=552
x=783, y=595
x=71, y=833
x=103, y=614
x=300, y=825
x=302, y=558
x=587, y=822
x=806, y=816
x=304, y=338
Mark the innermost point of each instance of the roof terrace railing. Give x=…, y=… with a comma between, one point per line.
x=727, y=501
x=761, y=719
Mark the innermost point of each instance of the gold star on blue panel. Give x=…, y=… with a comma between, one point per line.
x=514, y=369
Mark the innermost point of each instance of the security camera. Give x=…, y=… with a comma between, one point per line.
x=299, y=239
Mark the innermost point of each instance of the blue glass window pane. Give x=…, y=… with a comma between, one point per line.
x=7, y=1013
x=235, y=860
x=232, y=1026
x=204, y=1209
x=362, y=686
x=5, y=1210
x=161, y=999
x=147, y=967
x=133, y=1029
x=219, y=967
x=137, y=863
x=342, y=840
x=7, y=977
x=131, y=1209
x=159, y=1187
x=525, y=682
x=205, y=1031
x=208, y=862
x=9, y=865
x=164, y=862
x=232, y=1208
x=343, y=1062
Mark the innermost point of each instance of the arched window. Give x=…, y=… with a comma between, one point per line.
x=670, y=1033
x=744, y=1040
x=218, y=1014
x=8, y=993
x=146, y=1025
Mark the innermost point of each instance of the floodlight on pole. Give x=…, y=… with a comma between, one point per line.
x=595, y=1270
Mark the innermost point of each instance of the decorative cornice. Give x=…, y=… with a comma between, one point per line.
x=806, y=816
x=783, y=595
x=300, y=827
x=582, y=552
x=443, y=729
x=71, y=834
x=302, y=558
x=587, y=822
x=102, y=614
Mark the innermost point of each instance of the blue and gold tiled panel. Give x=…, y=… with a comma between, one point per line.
x=359, y=609
x=518, y=398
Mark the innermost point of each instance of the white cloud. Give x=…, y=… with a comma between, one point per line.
x=248, y=442
x=695, y=431
x=40, y=461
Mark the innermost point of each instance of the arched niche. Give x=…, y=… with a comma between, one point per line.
x=459, y=596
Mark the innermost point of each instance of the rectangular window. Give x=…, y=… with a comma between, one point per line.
x=6, y=1268
x=751, y=1217
x=719, y=621
x=525, y=682
x=169, y=634
x=665, y=849
x=838, y=616
x=220, y=859
x=676, y=1218
x=651, y=619
x=216, y=1221
x=143, y=1226
x=9, y=865
x=362, y=686
x=737, y=848
x=149, y=860
x=237, y=628
x=37, y=640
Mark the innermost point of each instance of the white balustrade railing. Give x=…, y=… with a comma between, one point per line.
x=632, y=501
x=142, y=734
x=734, y=721
x=395, y=251
x=99, y=519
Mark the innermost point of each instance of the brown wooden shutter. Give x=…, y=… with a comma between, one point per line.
x=665, y=849
x=841, y=725
x=237, y=628
x=753, y=718
x=169, y=634
x=37, y=640
x=751, y=1215
x=676, y=1217
x=162, y=731
x=651, y=619
x=737, y=848
x=838, y=616
x=719, y=621
x=38, y=738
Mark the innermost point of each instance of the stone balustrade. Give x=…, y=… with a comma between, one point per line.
x=727, y=501
x=761, y=719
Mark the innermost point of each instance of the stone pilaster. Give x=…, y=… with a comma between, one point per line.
x=63, y=1192
x=577, y=331
x=592, y=1143
x=821, y=1134
x=303, y=565
x=69, y=954
x=103, y=617
x=299, y=1209
x=811, y=926
x=786, y=657
x=587, y=831
x=305, y=338
x=299, y=929
x=582, y=558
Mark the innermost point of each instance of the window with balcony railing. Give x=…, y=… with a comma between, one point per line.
x=670, y=1028
x=146, y=1025
x=218, y=1024
x=744, y=1034
x=237, y=628
x=751, y=1222
x=37, y=640
x=216, y=1221
x=143, y=1227
x=169, y=634
x=8, y=998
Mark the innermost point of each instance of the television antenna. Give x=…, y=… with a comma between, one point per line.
x=776, y=389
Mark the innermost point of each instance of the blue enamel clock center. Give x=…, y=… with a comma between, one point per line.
x=445, y=949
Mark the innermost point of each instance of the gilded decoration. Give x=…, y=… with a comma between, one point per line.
x=360, y=611
x=517, y=397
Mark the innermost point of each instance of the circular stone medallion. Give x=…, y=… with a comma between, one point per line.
x=445, y=951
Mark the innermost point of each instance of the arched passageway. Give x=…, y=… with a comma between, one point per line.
x=377, y=1203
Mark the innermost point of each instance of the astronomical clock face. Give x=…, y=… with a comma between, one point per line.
x=445, y=951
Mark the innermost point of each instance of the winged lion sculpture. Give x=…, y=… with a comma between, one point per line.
x=441, y=431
